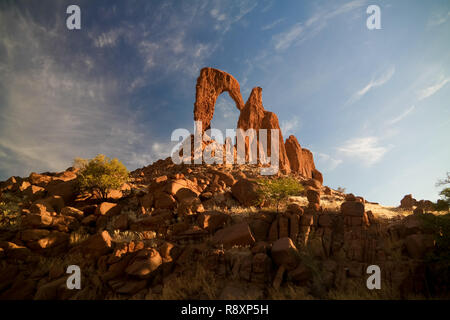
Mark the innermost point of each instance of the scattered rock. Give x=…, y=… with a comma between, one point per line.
x=235, y=235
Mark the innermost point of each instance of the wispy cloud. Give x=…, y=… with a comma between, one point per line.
x=54, y=110
x=429, y=91
x=367, y=150
x=273, y=24
x=438, y=19
x=401, y=116
x=302, y=31
x=385, y=77
x=225, y=15
x=325, y=162
x=289, y=127
x=107, y=39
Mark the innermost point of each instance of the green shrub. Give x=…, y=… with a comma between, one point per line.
x=278, y=190
x=440, y=226
x=100, y=175
x=9, y=211
x=444, y=204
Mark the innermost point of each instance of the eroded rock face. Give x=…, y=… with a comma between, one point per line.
x=212, y=82
x=210, y=85
x=253, y=116
x=300, y=160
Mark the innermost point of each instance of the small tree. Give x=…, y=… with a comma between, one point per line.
x=443, y=205
x=100, y=175
x=277, y=190
x=340, y=189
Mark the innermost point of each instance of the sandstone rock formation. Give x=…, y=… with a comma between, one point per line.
x=212, y=82
x=301, y=160
x=210, y=85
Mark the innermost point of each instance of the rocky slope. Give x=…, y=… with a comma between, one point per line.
x=190, y=231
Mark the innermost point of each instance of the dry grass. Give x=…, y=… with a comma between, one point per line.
x=78, y=236
x=289, y=292
x=196, y=282
x=356, y=289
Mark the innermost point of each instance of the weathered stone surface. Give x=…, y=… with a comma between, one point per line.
x=36, y=220
x=97, y=244
x=108, y=208
x=295, y=208
x=284, y=253
x=210, y=84
x=301, y=160
x=317, y=175
x=313, y=195
x=408, y=202
x=65, y=189
x=352, y=208
x=145, y=262
x=212, y=221
x=235, y=235
x=245, y=191
x=253, y=116
x=164, y=200
x=418, y=244
x=73, y=212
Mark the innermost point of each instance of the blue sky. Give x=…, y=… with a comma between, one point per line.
x=372, y=105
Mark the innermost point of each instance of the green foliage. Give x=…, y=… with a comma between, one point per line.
x=278, y=190
x=100, y=175
x=440, y=225
x=9, y=211
x=444, y=204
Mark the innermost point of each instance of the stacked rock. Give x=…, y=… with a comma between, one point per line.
x=353, y=210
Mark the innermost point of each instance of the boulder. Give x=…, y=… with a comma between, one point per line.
x=36, y=220
x=108, y=208
x=39, y=179
x=284, y=253
x=294, y=208
x=145, y=262
x=419, y=244
x=352, y=208
x=34, y=192
x=408, y=202
x=72, y=212
x=235, y=235
x=317, y=175
x=245, y=191
x=212, y=221
x=164, y=200
x=97, y=244
x=67, y=190
x=313, y=195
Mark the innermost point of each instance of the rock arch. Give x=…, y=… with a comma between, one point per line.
x=210, y=85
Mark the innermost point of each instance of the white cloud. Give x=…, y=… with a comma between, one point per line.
x=107, y=39
x=273, y=24
x=438, y=19
x=401, y=116
x=365, y=150
x=288, y=127
x=284, y=40
x=300, y=31
x=225, y=15
x=429, y=91
x=54, y=110
x=325, y=162
x=385, y=77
